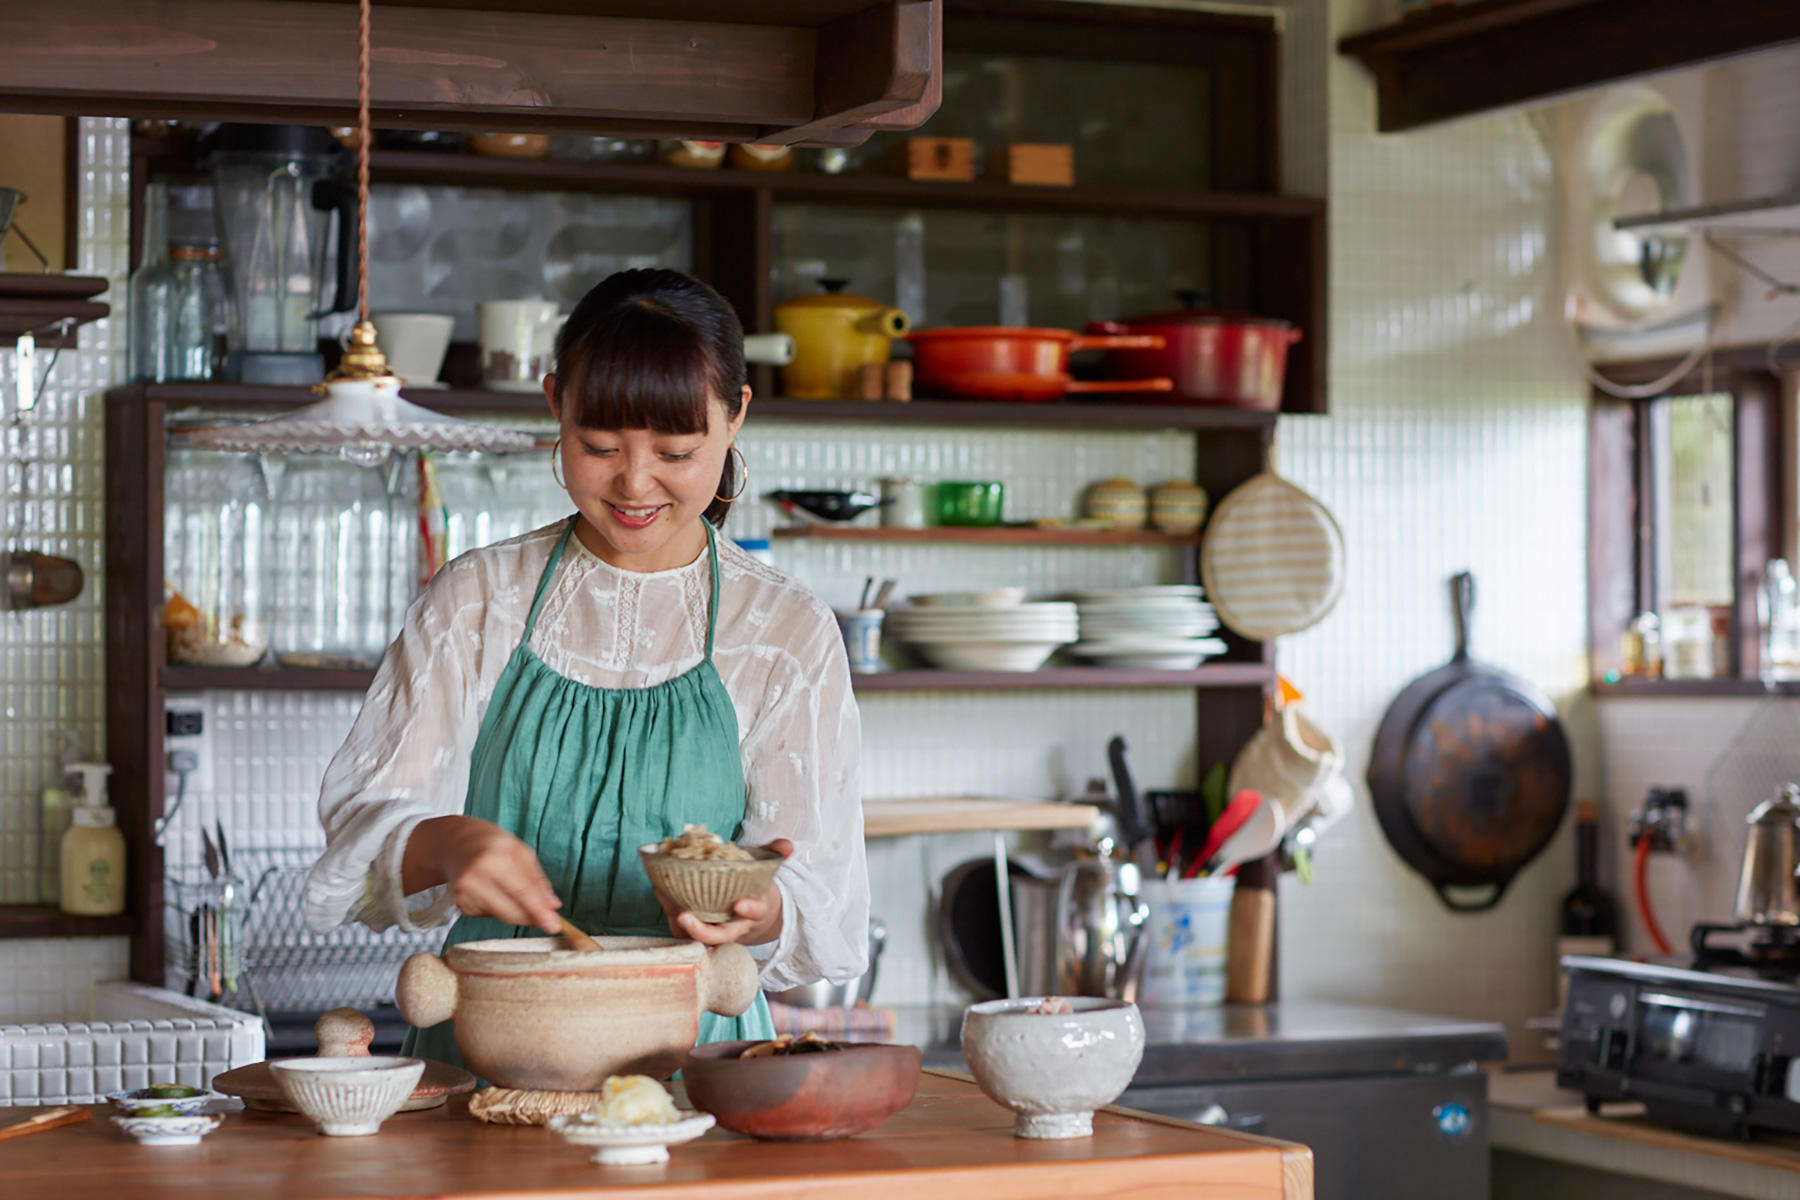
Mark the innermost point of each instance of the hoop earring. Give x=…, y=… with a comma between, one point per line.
x=743, y=483
x=555, y=462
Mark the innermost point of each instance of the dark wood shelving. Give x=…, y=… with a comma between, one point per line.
x=48, y=921
x=990, y=535
x=43, y=304
x=1493, y=54
x=1673, y=689
x=272, y=678
x=1059, y=415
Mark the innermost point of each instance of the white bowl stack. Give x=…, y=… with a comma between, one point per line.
x=980, y=637
x=1167, y=627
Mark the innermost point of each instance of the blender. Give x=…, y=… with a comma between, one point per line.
x=278, y=201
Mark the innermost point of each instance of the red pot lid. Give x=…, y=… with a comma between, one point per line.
x=1194, y=314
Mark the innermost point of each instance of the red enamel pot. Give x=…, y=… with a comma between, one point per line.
x=1218, y=358
x=995, y=362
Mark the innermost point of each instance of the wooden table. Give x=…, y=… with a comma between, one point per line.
x=950, y=1143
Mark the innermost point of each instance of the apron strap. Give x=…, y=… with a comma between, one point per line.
x=712, y=608
x=543, y=587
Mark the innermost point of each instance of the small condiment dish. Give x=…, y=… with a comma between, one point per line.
x=179, y=1130
x=708, y=887
x=617, y=1145
x=1053, y=1069
x=348, y=1096
x=137, y=1100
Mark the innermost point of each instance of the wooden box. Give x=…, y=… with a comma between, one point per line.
x=936, y=158
x=1042, y=164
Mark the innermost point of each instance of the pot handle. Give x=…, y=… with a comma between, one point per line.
x=1117, y=341
x=426, y=993
x=1475, y=903
x=1294, y=335
x=727, y=980
x=888, y=322
x=1076, y=386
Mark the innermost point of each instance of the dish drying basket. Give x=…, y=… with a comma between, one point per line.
x=240, y=939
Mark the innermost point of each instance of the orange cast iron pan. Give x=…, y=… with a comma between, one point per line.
x=1470, y=773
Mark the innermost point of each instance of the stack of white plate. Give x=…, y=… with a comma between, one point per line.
x=1017, y=637
x=1166, y=627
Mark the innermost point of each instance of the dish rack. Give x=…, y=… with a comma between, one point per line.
x=240, y=939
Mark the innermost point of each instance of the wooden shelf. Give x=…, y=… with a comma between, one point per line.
x=970, y=814
x=48, y=921
x=1207, y=675
x=1675, y=689
x=956, y=413
x=1013, y=535
x=41, y=303
x=1473, y=58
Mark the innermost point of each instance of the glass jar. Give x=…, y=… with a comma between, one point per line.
x=332, y=570
x=1687, y=640
x=215, y=507
x=471, y=503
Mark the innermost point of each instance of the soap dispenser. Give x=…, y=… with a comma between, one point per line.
x=93, y=850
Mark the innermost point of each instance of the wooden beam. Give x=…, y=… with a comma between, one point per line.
x=740, y=75
x=1501, y=53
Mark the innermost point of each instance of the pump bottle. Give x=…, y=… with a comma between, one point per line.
x=93, y=850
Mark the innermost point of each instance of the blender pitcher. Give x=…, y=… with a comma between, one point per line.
x=276, y=192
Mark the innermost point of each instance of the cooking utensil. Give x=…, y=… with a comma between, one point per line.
x=996, y=362
x=834, y=336
x=1469, y=772
x=1258, y=835
x=1212, y=357
x=1767, y=893
x=577, y=939
x=825, y=994
x=1272, y=559
x=1134, y=826
x=50, y=1118
x=1238, y=810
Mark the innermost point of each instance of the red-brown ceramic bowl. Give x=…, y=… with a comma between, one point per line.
x=801, y=1097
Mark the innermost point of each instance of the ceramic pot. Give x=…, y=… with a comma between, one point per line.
x=1214, y=357
x=835, y=335
x=991, y=362
x=531, y=1013
x=1118, y=502
x=1053, y=1070
x=1178, y=506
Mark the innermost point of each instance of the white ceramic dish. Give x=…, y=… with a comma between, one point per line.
x=1152, y=644
x=1005, y=597
x=1021, y=631
x=1147, y=592
x=1053, y=1070
x=629, y=1145
x=1140, y=662
x=348, y=1096
x=986, y=656
x=169, y=1131
x=138, y=1099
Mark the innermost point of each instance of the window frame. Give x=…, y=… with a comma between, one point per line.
x=1620, y=534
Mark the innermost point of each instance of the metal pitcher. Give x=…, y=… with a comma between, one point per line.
x=1767, y=892
x=1080, y=928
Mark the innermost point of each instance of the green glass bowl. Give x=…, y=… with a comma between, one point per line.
x=960, y=503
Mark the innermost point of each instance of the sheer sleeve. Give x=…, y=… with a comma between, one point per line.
x=405, y=760
x=801, y=764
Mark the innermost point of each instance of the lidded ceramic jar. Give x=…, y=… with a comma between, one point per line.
x=1178, y=506
x=834, y=334
x=531, y=1013
x=1118, y=503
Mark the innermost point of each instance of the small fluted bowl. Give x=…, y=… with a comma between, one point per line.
x=137, y=1100
x=348, y=1097
x=708, y=887
x=1053, y=1070
x=179, y=1130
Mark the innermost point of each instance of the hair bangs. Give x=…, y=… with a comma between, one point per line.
x=648, y=368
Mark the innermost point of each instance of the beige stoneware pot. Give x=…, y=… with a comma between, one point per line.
x=531, y=1013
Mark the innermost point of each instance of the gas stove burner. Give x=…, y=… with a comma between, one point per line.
x=1772, y=952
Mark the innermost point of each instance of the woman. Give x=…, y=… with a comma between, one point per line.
x=558, y=699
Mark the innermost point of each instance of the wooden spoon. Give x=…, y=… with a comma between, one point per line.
x=577, y=939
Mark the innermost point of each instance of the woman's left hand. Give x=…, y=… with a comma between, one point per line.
x=755, y=920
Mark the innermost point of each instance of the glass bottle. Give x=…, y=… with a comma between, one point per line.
x=178, y=315
x=332, y=565
x=1588, y=920
x=215, y=511
x=1780, y=612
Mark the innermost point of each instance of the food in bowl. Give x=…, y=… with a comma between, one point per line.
x=162, y=1099
x=787, y=1043
x=635, y=1100
x=1051, y=1006
x=700, y=844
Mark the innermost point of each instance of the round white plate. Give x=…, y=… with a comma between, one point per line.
x=628, y=1145
x=1150, y=645
x=1149, y=591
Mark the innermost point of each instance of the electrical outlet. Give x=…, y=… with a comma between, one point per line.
x=189, y=727
x=1663, y=820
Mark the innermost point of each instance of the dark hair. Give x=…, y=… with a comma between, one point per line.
x=651, y=349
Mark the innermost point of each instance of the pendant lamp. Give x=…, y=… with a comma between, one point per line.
x=363, y=415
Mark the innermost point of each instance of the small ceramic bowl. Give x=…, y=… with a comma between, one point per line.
x=137, y=1100
x=1053, y=1069
x=169, y=1131
x=629, y=1145
x=348, y=1097
x=801, y=1097
x=708, y=887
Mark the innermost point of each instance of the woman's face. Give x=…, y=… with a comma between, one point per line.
x=642, y=494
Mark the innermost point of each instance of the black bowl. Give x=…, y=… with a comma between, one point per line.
x=825, y=506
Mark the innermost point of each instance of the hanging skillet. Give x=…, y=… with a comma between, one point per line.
x=1470, y=772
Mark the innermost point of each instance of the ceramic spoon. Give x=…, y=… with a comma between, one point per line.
x=1259, y=834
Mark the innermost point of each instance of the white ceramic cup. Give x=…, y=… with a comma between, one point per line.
x=414, y=344
x=518, y=342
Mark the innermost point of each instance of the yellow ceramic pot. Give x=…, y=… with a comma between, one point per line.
x=834, y=336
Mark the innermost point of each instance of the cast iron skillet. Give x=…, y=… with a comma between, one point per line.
x=1470, y=772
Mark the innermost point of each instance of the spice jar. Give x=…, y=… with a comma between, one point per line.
x=215, y=506
x=1687, y=637
x=332, y=563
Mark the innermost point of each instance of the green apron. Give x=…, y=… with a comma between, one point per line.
x=585, y=775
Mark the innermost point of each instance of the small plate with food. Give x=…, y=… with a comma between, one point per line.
x=633, y=1122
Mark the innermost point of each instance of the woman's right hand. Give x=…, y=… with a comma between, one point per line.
x=490, y=872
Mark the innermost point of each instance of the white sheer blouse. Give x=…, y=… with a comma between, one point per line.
x=776, y=648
